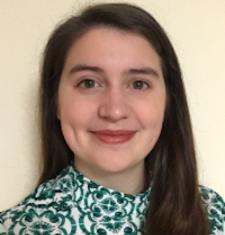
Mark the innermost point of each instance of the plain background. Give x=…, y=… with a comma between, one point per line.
x=197, y=31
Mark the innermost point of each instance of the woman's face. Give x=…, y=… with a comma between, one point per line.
x=111, y=100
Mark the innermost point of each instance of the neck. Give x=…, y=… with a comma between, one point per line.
x=131, y=181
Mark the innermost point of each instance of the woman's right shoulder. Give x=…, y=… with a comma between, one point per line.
x=28, y=207
x=42, y=200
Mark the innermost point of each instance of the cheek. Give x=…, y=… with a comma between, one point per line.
x=151, y=112
x=76, y=116
x=71, y=107
x=152, y=120
x=72, y=124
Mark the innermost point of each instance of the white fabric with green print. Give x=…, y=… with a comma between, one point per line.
x=73, y=204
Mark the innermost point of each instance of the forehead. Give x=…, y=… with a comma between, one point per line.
x=106, y=44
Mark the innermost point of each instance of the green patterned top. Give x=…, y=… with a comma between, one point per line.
x=73, y=204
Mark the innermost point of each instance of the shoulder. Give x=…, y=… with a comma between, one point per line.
x=215, y=207
x=44, y=202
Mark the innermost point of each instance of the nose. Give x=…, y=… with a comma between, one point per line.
x=113, y=106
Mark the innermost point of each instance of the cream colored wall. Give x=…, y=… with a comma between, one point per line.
x=197, y=31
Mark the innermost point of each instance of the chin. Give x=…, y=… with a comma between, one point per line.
x=117, y=167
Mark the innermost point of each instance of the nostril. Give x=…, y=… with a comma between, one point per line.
x=113, y=111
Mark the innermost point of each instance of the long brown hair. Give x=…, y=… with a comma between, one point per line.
x=176, y=205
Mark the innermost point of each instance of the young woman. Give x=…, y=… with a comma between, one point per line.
x=117, y=141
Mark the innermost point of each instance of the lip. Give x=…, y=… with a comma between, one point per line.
x=114, y=136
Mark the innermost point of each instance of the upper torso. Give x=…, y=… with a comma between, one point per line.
x=73, y=204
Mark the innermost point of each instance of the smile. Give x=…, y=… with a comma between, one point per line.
x=114, y=137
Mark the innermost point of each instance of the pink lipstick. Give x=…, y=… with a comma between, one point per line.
x=114, y=136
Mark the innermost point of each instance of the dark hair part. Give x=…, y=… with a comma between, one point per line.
x=175, y=198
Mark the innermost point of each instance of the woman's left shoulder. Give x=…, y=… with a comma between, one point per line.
x=215, y=207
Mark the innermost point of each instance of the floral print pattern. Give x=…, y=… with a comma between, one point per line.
x=73, y=204
x=216, y=211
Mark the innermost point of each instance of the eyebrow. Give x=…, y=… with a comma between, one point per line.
x=136, y=71
x=144, y=71
x=83, y=67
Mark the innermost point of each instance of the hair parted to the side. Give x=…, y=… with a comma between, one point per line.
x=175, y=198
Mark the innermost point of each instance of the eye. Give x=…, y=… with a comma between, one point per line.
x=88, y=83
x=140, y=85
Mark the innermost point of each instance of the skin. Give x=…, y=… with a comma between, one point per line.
x=112, y=80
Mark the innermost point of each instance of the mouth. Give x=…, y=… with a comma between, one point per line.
x=114, y=136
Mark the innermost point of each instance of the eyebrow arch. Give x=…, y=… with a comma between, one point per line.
x=144, y=71
x=84, y=67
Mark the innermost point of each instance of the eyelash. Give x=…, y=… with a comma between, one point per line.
x=85, y=84
x=143, y=83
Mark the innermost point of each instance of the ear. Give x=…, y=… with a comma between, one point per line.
x=58, y=112
x=57, y=109
x=58, y=116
